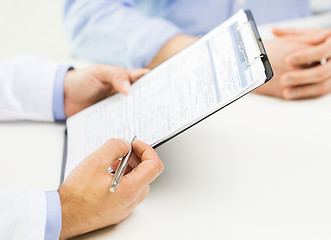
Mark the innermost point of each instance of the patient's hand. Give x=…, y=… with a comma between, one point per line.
x=314, y=81
x=278, y=49
x=313, y=36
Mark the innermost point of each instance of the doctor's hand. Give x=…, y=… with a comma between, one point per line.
x=86, y=202
x=308, y=78
x=85, y=87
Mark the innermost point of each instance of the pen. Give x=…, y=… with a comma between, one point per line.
x=121, y=168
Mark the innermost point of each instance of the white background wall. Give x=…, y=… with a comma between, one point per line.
x=21, y=20
x=320, y=5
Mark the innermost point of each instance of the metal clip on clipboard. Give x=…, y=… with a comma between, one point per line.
x=262, y=53
x=249, y=63
x=257, y=38
x=242, y=47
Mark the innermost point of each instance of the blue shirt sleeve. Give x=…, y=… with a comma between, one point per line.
x=114, y=32
x=58, y=96
x=54, y=216
x=130, y=33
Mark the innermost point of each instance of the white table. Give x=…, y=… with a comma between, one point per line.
x=258, y=169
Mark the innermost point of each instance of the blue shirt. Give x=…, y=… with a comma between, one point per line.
x=130, y=33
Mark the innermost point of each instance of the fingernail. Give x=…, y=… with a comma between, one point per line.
x=294, y=60
x=290, y=94
x=126, y=86
x=125, y=142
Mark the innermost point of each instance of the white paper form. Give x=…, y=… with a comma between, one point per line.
x=189, y=86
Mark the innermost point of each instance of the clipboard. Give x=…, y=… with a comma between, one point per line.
x=264, y=58
x=261, y=56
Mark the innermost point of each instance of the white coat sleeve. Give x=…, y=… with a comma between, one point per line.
x=26, y=87
x=22, y=214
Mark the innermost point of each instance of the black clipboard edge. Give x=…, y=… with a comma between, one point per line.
x=267, y=66
x=64, y=155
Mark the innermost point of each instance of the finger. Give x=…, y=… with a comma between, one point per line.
x=135, y=74
x=310, y=55
x=149, y=168
x=111, y=150
x=128, y=169
x=117, y=77
x=308, y=39
x=114, y=165
x=307, y=91
x=134, y=161
x=306, y=76
x=143, y=194
x=308, y=36
x=287, y=31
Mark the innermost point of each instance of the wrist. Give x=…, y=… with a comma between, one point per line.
x=69, y=228
x=173, y=46
x=67, y=103
x=75, y=214
x=58, y=93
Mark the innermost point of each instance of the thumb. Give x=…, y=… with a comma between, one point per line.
x=118, y=78
x=135, y=74
x=149, y=168
x=112, y=150
x=123, y=83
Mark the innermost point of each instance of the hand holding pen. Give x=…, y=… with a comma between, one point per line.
x=90, y=181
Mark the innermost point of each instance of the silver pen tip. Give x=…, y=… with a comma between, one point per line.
x=112, y=189
x=113, y=186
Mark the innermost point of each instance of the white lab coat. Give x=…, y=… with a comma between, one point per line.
x=26, y=87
